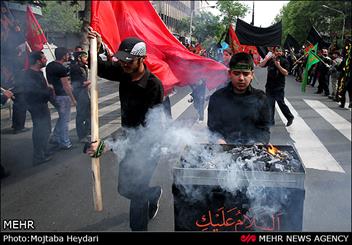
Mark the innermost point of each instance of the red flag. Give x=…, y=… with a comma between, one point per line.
x=237, y=47
x=35, y=35
x=167, y=58
x=26, y=59
x=309, y=47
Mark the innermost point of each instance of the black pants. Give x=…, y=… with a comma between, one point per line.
x=167, y=106
x=41, y=129
x=324, y=84
x=278, y=96
x=135, y=173
x=83, y=124
x=315, y=77
x=19, y=111
x=198, y=95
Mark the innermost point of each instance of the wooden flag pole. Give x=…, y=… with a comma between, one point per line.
x=51, y=51
x=28, y=47
x=97, y=195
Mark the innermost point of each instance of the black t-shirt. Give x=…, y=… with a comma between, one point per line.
x=54, y=72
x=322, y=68
x=35, y=87
x=275, y=79
x=239, y=118
x=136, y=97
x=78, y=75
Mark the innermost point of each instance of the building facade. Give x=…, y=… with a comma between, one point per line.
x=171, y=12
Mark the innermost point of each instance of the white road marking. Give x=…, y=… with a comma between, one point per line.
x=312, y=152
x=182, y=105
x=105, y=110
x=107, y=129
x=338, y=122
x=55, y=115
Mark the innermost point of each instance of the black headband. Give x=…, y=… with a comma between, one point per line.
x=242, y=66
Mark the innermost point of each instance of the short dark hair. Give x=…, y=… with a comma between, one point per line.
x=241, y=58
x=60, y=52
x=34, y=56
x=78, y=54
x=78, y=46
x=278, y=47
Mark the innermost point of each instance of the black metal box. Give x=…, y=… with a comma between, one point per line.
x=268, y=200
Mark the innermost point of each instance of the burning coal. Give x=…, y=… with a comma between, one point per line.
x=240, y=157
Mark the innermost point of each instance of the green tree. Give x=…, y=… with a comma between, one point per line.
x=182, y=26
x=206, y=25
x=85, y=24
x=231, y=10
x=299, y=16
x=60, y=17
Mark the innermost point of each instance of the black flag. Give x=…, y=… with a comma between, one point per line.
x=257, y=36
x=262, y=51
x=218, y=45
x=314, y=37
x=291, y=42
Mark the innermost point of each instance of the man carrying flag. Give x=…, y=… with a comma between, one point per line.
x=140, y=90
x=130, y=29
x=324, y=71
x=312, y=59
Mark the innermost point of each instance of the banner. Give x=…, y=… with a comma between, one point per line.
x=290, y=43
x=34, y=35
x=167, y=58
x=315, y=37
x=312, y=59
x=237, y=47
x=251, y=35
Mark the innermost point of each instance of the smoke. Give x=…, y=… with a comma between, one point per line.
x=201, y=168
x=161, y=135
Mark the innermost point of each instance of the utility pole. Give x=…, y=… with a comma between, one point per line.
x=252, y=23
x=343, y=21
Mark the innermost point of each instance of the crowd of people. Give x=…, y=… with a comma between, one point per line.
x=24, y=84
x=332, y=73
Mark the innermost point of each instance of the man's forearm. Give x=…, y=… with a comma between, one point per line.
x=68, y=91
x=282, y=70
x=263, y=63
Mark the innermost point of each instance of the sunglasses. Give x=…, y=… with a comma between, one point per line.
x=128, y=62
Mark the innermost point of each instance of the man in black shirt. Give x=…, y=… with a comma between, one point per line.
x=140, y=90
x=198, y=98
x=58, y=76
x=239, y=113
x=324, y=73
x=275, y=84
x=80, y=83
x=37, y=94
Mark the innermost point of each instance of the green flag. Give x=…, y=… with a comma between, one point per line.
x=313, y=58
